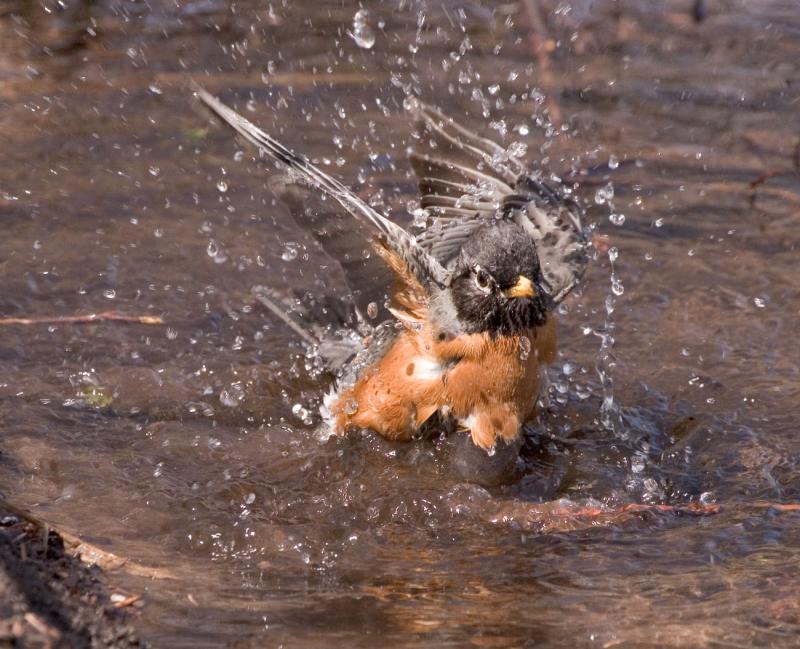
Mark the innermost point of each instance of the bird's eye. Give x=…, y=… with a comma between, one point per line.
x=483, y=280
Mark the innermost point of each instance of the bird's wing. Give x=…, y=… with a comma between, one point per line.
x=327, y=225
x=466, y=180
x=553, y=220
x=462, y=181
x=367, y=276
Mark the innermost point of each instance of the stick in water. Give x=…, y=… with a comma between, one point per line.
x=89, y=318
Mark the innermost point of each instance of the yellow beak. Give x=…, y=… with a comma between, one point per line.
x=523, y=288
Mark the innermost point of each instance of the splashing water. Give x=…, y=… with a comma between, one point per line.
x=606, y=362
x=362, y=33
x=524, y=348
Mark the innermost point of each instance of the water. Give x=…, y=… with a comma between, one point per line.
x=193, y=447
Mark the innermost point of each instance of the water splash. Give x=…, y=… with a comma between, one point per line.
x=524, y=348
x=233, y=395
x=302, y=413
x=362, y=33
x=606, y=361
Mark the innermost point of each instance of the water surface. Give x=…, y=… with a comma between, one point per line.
x=187, y=447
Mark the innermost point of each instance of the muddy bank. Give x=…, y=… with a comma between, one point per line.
x=48, y=598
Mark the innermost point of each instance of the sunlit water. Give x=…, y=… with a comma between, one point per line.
x=192, y=447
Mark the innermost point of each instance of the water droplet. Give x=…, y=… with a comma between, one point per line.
x=604, y=194
x=351, y=407
x=233, y=395
x=172, y=334
x=250, y=498
x=637, y=464
x=524, y=347
x=222, y=186
x=517, y=150
x=617, y=288
x=411, y=104
x=290, y=252
x=154, y=171
x=568, y=369
x=155, y=89
x=613, y=254
x=613, y=161
x=491, y=451
x=302, y=413
x=110, y=293
x=523, y=129
x=616, y=218
x=659, y=222
x=372, y=310
x=212, y=249
x=362, y=33
x=760, y=301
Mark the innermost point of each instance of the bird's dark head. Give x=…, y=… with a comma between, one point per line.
x=496, y=285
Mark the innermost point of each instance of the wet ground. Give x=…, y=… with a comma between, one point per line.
x=190, y=448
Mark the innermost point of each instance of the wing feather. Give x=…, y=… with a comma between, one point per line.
x=467, y=180
x=428, y=271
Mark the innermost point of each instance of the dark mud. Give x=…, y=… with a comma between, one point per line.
x=48, y=597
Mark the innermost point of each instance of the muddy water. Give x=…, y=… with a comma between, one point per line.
x=187, y=447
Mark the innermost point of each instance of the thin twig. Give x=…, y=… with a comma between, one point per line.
x=694, y=509
x=128, y=601
x=41, y=626
x=780, y=507
x=540, y=44
x=770, y=174
x=775, y=173
x=89, y=318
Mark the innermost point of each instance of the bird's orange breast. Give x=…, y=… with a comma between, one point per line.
x=489, y=384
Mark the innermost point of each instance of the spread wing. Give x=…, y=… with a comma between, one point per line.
x=368, y=277
x=467, y=180
x=374, y=233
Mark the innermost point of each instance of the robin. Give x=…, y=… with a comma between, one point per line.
x=457, y=323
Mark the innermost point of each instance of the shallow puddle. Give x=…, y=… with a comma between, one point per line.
x=192, y=447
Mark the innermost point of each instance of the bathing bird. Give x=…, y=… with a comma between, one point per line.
x=453, y=324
